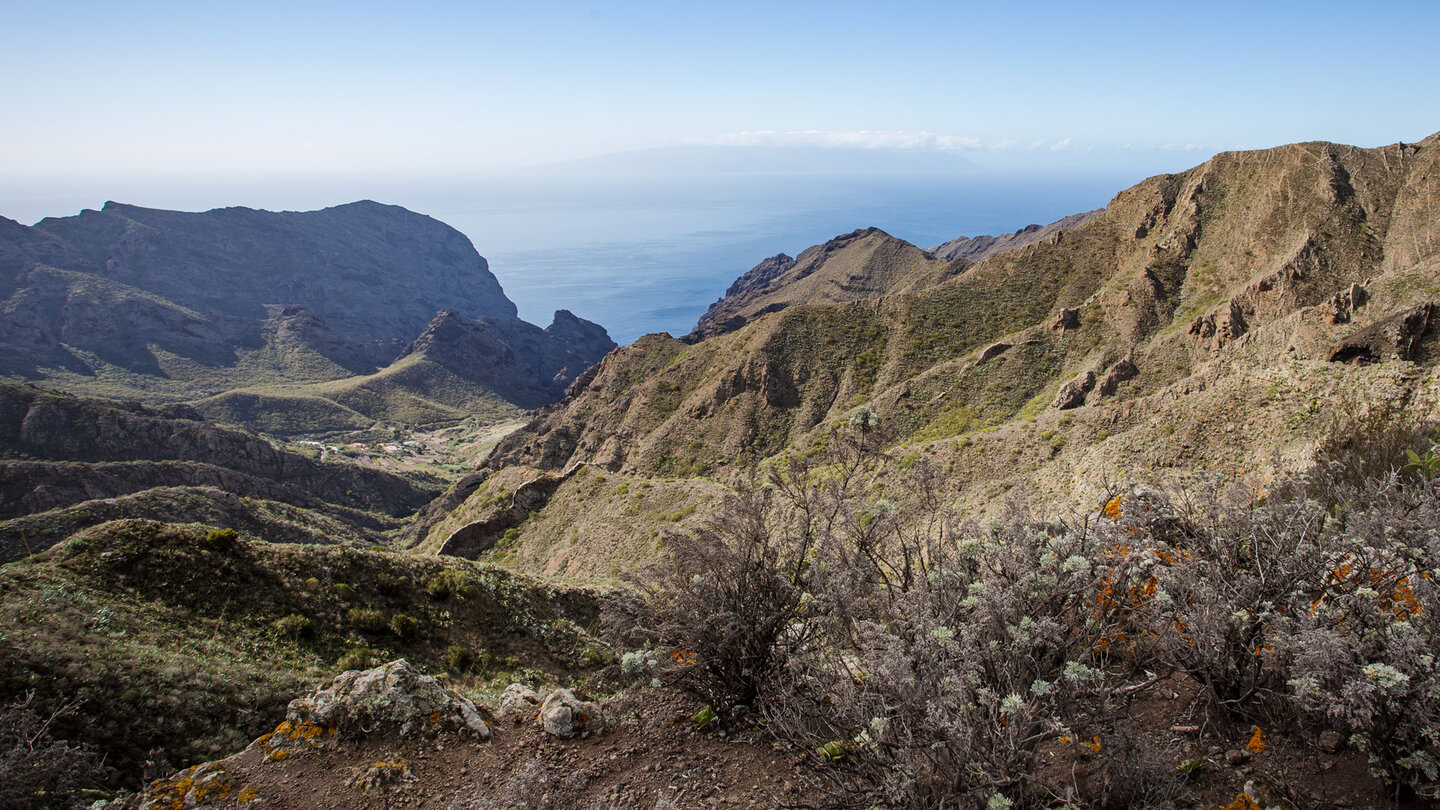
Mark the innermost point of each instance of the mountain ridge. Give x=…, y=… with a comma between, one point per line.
x=1106, y=350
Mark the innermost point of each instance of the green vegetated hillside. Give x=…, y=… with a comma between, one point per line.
x=71, y=462
x=172, y=578
x=1142, y=513
x=181, y=642
x=1213, y=321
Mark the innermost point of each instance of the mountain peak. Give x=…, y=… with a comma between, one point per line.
x=863, y=263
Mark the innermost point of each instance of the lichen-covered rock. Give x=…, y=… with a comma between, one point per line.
x=519, y=702
x=393, y=696
x=206, y=784
x=564, y=715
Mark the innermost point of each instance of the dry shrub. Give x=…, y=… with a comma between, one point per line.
x=1315, y=603
x=1364, y=440
x=925, y=658
x=39, y=771
x=1366, y=638
x=722, y=607
x=1223, y=603
x=935, y=690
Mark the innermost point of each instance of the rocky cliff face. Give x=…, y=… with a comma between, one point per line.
x=533, y=366
x=372, y=271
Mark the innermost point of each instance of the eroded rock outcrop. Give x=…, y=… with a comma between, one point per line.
x=1394, y=338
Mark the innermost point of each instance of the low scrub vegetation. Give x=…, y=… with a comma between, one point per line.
x=929, y=660
x=175, y=644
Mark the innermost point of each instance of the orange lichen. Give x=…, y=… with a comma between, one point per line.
x=1094, y=744
x=1243, y=802
x=191, y=787
x=1396, y=596
x=1401, y=602
x=1257, y=741
x=1111, y=509
x=435, y=716
x=247, y=794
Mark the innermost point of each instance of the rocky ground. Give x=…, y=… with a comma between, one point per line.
x=392, y=738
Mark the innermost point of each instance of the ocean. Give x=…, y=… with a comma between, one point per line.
x=651, y=257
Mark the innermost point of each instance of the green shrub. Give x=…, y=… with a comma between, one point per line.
x=222, y=538
x=295, y=626
x=597, y=656
x=459, y=658
x=390, y=584
x=450, y=583
x=356, y=658
x=368, y=620
x=344, y=591
x=508, y=539
x=404, y=627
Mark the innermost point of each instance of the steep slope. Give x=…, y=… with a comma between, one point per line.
x=374, y=272
x=456, y=368
x=1214, y=318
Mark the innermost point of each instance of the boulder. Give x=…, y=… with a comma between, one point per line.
x=564, y=715
x=1118, y=373
x=1394, y=338
x=519, y=702
x=393, y=696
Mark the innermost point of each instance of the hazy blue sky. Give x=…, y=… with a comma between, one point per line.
x=198, y=89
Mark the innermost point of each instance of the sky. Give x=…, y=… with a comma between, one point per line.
x=209, y=92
